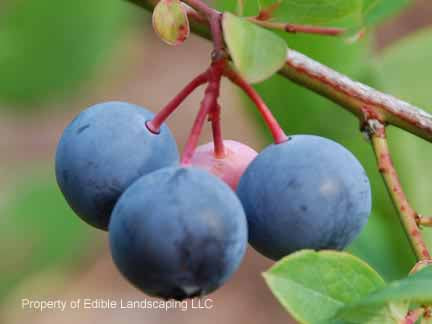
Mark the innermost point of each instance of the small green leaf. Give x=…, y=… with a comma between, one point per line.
x=416, y=288
x=170, y=21
x=257, y=53
x=313, y=286
x=313, y=11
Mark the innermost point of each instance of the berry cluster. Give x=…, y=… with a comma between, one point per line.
x=177, y=230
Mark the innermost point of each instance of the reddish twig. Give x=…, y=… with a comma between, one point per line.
x=240, y=7
x=349, y=94
x=267, y=13
x=413, y=316
x=208, y=103
x=157, y=121
x=354, y=96
x=214, y=19
x=219, y=147
x=428, y=314
x=420, y=265
x=295, y=28
x=425, y=221
x=278, y=134
x=408, y=215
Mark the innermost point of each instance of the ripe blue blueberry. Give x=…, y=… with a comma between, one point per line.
x=306, y=193
x=102, y=151
x=178, y=233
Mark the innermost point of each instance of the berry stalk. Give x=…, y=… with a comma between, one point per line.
x=219, y=148
x=276, y=130
x=155, y=124
x=208, y=103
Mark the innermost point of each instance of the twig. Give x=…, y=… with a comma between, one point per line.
x=214, y=18
x=425, y=221
x=407, y=214
x=355, y=96
x=295, y=28
x=219, y=146
x=420, y=265
x=413, y=316
x=240, y=7
x=208, y=103
x=267, y=13
x=349, y=94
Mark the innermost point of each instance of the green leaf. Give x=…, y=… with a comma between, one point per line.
x=390, y=313
x=416, y=288
x=257, y=53
x=170, y=21
x=313, y=286
x=314, y=11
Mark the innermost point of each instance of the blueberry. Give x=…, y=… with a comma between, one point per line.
x=178, y=233
x=102, y=151
x=306, y=193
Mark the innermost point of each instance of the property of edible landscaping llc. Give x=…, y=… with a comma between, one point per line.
x=110, y=304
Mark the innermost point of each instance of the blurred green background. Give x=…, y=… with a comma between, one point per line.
x=57, y=58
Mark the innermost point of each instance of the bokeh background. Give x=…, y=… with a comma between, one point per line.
x=59, y=57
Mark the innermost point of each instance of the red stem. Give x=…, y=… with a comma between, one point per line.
x=278, y=134
x=208, y=103
x=219, y=148
x=155, y=124
x=267, y=13
x=214, y=18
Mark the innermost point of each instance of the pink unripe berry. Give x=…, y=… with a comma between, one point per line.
x=229, y=168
